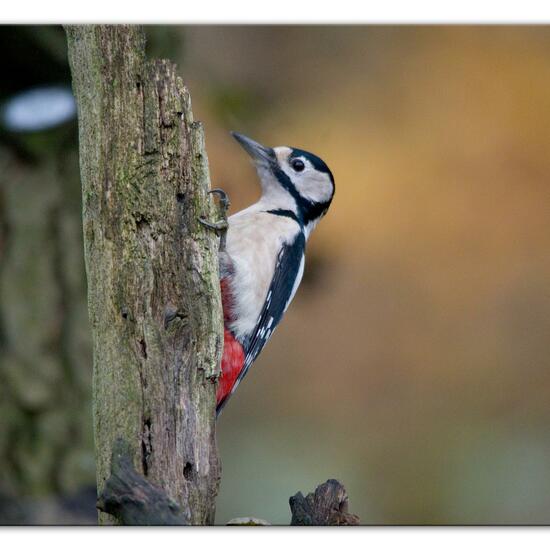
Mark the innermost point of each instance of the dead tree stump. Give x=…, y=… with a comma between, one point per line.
x=152, y=269
x=328, y=505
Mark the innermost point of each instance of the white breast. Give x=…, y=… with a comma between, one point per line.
x=254, y=239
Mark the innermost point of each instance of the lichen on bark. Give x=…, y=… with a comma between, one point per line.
x=153, y=287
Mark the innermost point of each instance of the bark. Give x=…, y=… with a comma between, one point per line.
x=135, y=501
x=153, y=287
x=132, y=499
x=327, y=505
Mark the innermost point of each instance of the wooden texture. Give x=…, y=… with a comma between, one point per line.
x=132, y=499
x=153, y=287
x=328, y=505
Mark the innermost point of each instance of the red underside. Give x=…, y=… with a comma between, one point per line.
x=232, y=363
x=233, y=353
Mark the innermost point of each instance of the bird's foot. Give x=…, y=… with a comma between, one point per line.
x=220, y=227
x=224, y=200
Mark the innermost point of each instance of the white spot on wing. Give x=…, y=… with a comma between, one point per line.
x=296, y=282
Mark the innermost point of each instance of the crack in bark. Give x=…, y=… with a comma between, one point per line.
x=143, y=348
x=146, y=445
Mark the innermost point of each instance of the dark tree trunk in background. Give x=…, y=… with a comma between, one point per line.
x=153, y=287
x=45, y=348
x=46, y=442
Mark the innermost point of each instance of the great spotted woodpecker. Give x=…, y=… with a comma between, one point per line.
x=262, y=251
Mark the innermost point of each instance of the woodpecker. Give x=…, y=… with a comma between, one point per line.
x=262, y=252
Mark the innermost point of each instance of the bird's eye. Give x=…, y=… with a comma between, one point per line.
x=297, y=165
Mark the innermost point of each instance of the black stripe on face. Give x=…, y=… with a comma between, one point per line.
x=308, y=211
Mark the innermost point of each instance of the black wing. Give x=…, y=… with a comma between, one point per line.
x=289, y=262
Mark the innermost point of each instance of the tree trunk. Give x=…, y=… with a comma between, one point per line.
x=45, y=348
x=153, y=287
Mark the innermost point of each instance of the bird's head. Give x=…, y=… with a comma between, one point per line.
x=292, y=179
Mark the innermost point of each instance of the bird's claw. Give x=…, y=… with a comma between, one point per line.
x=224, y=198
x=216, y=226
x=220, y=227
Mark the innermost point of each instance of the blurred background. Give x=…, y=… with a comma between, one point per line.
x=413, y=364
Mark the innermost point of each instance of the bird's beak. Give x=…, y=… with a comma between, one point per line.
x=259, y=153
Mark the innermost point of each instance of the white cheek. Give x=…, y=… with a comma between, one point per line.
x=315, y=186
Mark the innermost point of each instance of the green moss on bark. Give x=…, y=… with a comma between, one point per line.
x=153, y=287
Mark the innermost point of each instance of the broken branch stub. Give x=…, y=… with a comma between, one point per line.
x=328, y=505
